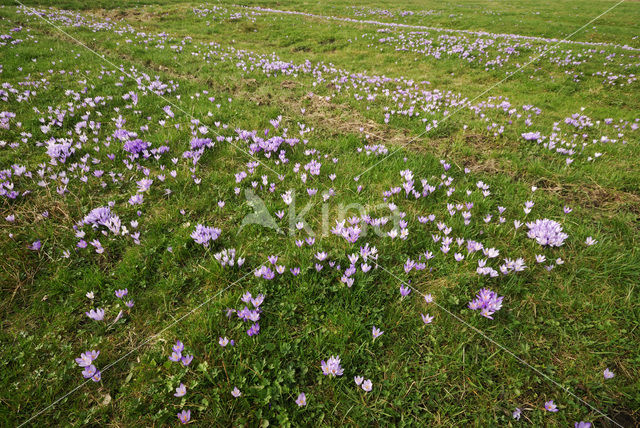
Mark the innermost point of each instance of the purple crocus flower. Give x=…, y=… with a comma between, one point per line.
x=184, y=417
x=550, y=406
x=180, y=391
x=301, y=401
x=376, y=332
x=404, y=291
x=89, y=371
x=427, y=319
x=254, y=330
x=516, y=414
x=176, y=352
x=257, y=301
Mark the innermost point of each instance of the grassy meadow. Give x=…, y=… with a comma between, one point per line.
x=273, y=182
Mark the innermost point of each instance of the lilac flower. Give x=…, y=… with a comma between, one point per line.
x=428, y=298
x=487, y=301
x=301, y=401
x=90, y=295
x=36, y=245
x=427, y=319
x=180, y=391
x=223, y=341
x=516, y=414
x=186, y=360
x=96, y=376
x=582, y=424
x=358, y=380
x=550, y=407
x=332, y=366
x=547, y=232
x=590, y=241
x=86, y=358
x=184, y=417
x=376, y=332
x=236, y=392
x=253, y=330
x=608, y=374
x=96, y=315
x=129, y=304
x=176, y=352
x=89, y=371
x=121, y=293
x=257, y=301
x=404, y=291
x=367, y=385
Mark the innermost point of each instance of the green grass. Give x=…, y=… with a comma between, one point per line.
x=569, y=323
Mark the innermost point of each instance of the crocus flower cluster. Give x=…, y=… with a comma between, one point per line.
x=89, y=371
x=332, y=367
x=366, y=385
x=227, y=257
x=203, y=235
x=251, y=315
x=176, y=354
x=96, y=314
x=547, y=232
x=487, y=302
